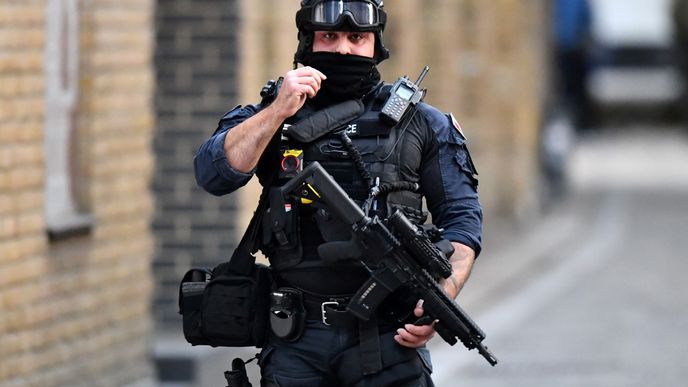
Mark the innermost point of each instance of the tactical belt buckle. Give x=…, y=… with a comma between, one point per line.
x=324, y=311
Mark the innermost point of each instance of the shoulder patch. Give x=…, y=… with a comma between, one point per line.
x=456, y=125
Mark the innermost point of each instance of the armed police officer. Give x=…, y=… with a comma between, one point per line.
x=423, y=154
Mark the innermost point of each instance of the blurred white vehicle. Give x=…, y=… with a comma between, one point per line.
x=632, y=62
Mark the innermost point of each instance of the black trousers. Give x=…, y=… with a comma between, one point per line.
x=323, y=357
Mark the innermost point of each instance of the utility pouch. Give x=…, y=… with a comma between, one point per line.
x=287, y=313
x=191, y=292
x=226, y=309
x=281, y=237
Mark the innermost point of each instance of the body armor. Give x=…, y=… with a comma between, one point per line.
x=365, y=158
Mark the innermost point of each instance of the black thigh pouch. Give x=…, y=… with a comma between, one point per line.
x=224, y=308
x=401, y=366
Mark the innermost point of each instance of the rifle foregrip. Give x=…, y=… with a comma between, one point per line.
x=455, y=327
x=425, y=253
x=455, y=324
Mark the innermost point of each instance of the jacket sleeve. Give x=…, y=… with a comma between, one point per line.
x=449, y=183
x=211, y=168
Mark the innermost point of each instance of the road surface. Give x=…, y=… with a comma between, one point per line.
x=594, y=293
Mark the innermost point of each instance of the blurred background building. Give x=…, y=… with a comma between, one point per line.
x=104, y=102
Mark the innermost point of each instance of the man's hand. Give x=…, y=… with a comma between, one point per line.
x=297, y=85
x=415, y=336
x=245, y=143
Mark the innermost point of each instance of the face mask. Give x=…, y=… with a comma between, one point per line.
x=348, y=76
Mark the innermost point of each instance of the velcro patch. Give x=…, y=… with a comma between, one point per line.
x=456, y=125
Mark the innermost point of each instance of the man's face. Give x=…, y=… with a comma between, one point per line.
x=345, y=42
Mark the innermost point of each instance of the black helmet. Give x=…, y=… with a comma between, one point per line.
x=340, y=15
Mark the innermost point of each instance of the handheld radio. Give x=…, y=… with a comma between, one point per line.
x=403, y=95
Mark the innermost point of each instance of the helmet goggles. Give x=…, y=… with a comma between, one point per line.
x=331, y=14
x=340, y=15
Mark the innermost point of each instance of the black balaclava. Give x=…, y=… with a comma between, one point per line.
x=348, y=76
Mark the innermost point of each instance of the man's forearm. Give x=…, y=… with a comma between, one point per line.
x=462, y=263
x=245, y=143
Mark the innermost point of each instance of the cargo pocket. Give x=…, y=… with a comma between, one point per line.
x=456, y=165
x=463, y=158
x=272, y=379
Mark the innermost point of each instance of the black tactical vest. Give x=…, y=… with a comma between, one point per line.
x=377, y=146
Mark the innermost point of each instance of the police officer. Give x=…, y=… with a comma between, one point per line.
x=423, y=155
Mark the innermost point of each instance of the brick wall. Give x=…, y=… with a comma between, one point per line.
x=22, y=241
x=197, y=76
x=75, y=312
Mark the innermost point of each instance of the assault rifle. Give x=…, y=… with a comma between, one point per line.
x=399, y=253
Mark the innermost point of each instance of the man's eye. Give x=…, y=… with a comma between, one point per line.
x=355, y=37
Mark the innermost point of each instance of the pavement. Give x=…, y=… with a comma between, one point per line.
x=593, y=293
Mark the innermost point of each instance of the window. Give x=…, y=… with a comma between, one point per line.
x=61, y=96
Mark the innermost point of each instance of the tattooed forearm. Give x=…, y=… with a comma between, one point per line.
x=462, y=263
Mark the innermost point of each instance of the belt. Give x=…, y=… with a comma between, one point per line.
x=330, y=310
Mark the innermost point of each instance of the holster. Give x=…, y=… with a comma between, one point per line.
x=287, y=314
